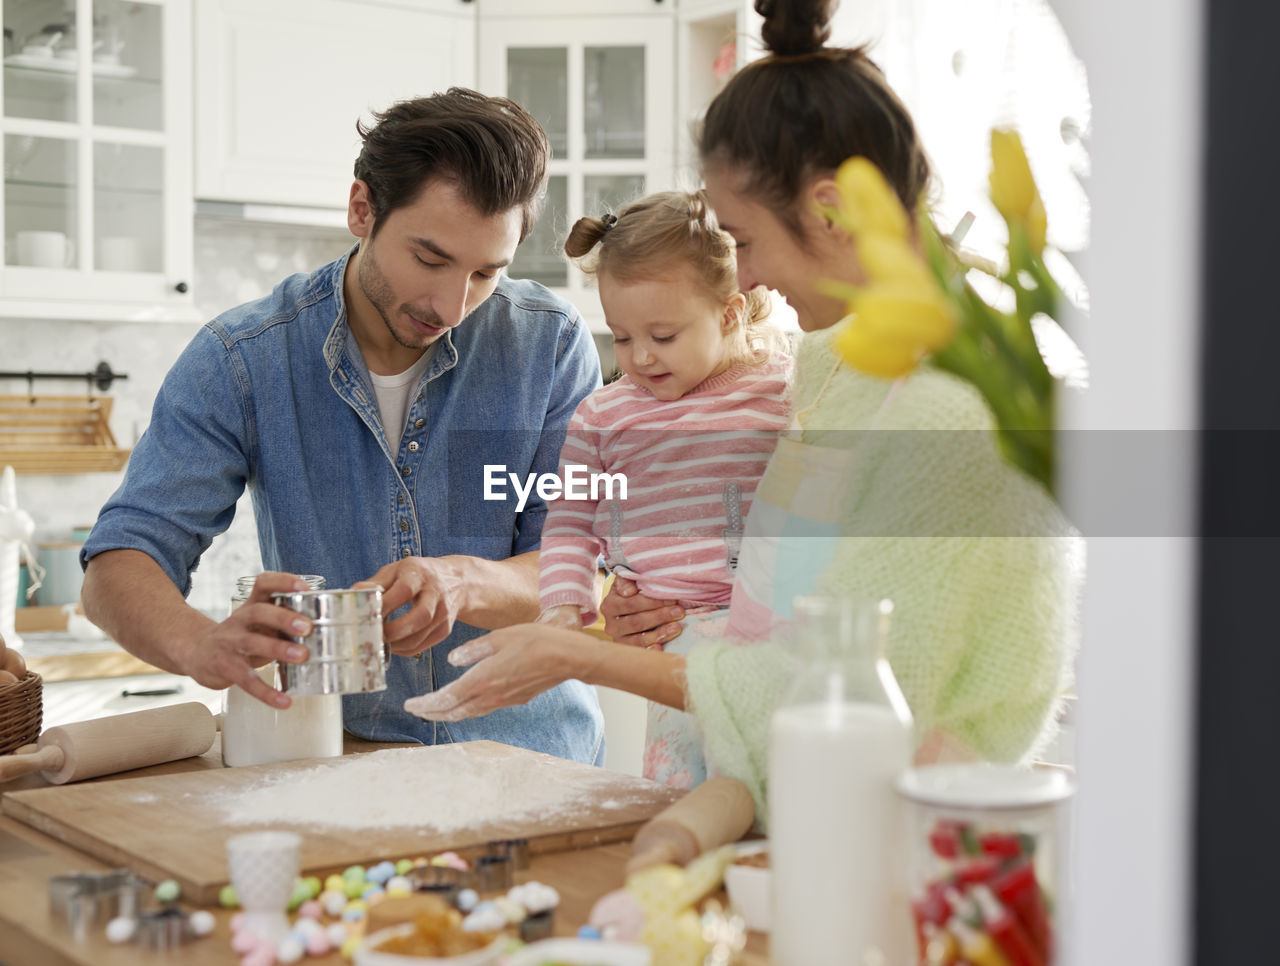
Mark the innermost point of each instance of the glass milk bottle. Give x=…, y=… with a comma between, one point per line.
x=839, y=738
x=254, y=733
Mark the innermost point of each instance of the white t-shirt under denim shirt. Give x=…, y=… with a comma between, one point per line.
x=393, y=394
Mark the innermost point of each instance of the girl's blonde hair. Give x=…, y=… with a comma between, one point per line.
x=650, y=238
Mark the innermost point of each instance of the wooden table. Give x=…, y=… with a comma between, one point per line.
x=28, y=859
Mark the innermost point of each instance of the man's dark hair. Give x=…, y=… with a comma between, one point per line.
x=490, y=147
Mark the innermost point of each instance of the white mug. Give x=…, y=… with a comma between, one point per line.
x=44, y=249
x=63, y=576
x=120, y=253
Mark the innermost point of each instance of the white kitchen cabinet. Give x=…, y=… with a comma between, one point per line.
x=96, y=215
x=714, y=38
x=280, y=84
x=603, y=86
x=573, y=8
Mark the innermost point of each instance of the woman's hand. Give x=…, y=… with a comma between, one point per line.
x=433, y=587
x=510, y=666
x=562, y=615
x=632, y=618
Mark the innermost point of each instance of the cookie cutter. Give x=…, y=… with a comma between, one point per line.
x=516, y=849
x=537, y=925
x=443, y=880
x=79, y=900
x=495, y=872
x=163, y=929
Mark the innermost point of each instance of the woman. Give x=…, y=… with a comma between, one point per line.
x=981, y=567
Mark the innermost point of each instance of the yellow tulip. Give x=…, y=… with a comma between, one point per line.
x=1012, y=188
x=877, y=357
x=868, y=202
x=920, y=316
x=1037, y=225
x=894, y=327
x=887, y=259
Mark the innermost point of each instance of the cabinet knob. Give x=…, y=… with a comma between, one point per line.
x=181, y=288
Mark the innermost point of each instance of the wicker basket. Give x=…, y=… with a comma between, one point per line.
x=20, y=713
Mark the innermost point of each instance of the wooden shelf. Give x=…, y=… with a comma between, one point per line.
x=26, y=619
x=58, y=434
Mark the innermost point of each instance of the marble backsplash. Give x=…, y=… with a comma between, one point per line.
x=234, y=263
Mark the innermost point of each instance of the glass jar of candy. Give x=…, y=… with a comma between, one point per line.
x=987, y=859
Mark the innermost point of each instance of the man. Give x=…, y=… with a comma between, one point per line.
x=360, y=404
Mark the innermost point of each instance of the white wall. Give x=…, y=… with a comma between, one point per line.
x=1135, y=727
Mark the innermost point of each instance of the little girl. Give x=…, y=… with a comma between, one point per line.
x=690, y=425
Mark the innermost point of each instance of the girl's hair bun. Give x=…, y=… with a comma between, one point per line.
x=794, y=28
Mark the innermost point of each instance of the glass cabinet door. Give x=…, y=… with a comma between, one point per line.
x=606, y=104
x=89, y=148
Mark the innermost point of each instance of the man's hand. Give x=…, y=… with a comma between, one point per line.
x=632, y=618
x=433, y=586
x=229, y=653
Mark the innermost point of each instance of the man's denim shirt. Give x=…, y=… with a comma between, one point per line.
x=275, y=395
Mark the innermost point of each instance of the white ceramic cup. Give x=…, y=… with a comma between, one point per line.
x=63, y=576
x=263, y=867
x=44, y=249
x=120, y=253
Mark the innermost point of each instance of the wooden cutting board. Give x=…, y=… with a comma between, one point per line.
x=175, y=826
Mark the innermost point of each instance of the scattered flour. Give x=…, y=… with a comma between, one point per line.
x=441, y=788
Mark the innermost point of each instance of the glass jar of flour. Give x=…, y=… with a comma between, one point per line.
x=254, y=733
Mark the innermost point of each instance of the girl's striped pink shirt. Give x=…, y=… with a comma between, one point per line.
x=691, y=467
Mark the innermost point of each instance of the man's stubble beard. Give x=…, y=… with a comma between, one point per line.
x=374, y=285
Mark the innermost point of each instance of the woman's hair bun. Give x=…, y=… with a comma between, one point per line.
x=795, y=27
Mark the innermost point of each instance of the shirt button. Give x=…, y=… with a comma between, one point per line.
x=406, y=552
x=405, y=471
x=400, y=498
x=413, y=447
x=419, y=423
x=404, y=526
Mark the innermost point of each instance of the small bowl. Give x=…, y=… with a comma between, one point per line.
x=367, y=954
x=581, y=952
x=749, y=888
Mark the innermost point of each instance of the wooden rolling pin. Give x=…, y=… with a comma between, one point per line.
x=101, y=746
x=715, y=813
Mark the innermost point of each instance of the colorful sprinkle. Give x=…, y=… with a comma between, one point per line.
x=334, y=902
x=337, y=933
x=318, y=943
x=289, y=950
x=121, y=929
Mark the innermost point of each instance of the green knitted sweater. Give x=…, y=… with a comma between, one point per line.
x=983, y=632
